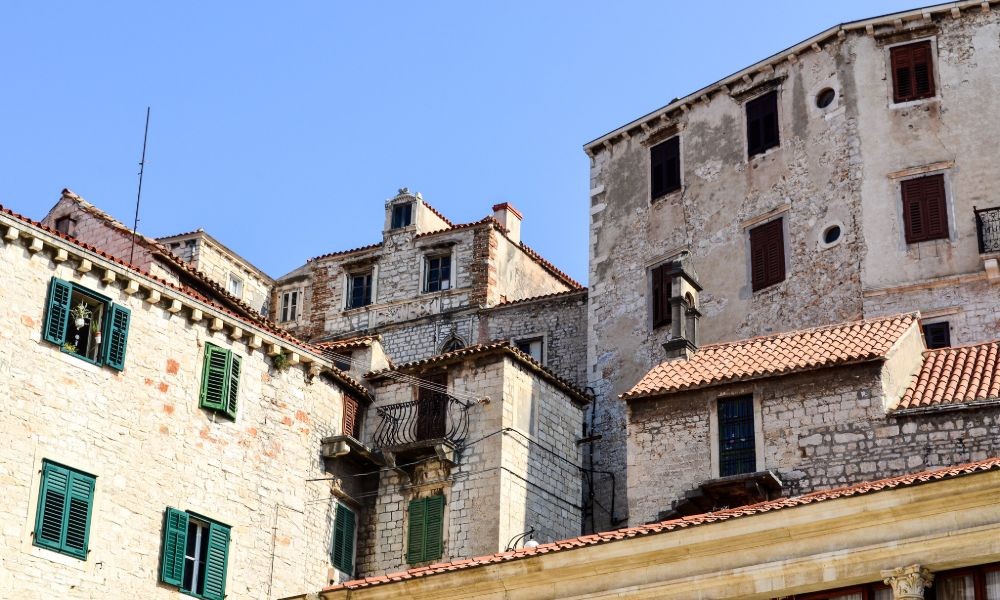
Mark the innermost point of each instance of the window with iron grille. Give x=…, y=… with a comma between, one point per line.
x=359, y=289
x=402, y=215
x=925, y=209
x=767, y=254
x=665, y=167
x=65, y=502
x=438, y=273
x=736, y=436
x=912, y=72
x=762, y=123
x=432, y=407
x=937, y=335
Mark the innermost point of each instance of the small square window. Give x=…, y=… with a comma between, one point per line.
x=912, y=72
x=762, y=123
x=665, y=167
x=533, y=347
x=925, y=209
x=359, y=289
x=402, y=215
x=767, y=254
x=235, y=286
x=86, y=324
x=937, y=335
x=438, y=275
x=289, y=306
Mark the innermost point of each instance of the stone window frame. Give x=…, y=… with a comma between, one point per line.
x=235, y=290
x=420, y=493
x=944, y=169
x=783, y=213
x=452, y=270
x=533, y=337
x=758, y=428
x=282, y=305
x=890, y=76
x=349, y=274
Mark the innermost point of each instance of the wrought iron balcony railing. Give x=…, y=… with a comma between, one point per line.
x=988, y=229
x=414, y=423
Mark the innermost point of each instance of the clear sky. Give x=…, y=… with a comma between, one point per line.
x=281, y=128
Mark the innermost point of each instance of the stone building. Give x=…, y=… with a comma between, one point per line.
x=431, y=286
x=152, y=444
x=843, y=178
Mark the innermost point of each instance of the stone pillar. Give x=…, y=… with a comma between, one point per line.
x=908, y=583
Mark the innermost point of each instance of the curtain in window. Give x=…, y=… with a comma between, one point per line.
x=851, y=596
x=993, y=585
x=956, y=588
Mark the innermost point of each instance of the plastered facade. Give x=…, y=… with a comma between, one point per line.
x=142, y=434
x=840, y=165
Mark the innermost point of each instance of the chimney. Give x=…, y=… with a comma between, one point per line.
x=510, y=218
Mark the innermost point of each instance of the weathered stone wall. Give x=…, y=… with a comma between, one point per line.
x=142, y=433
x=502, y=483
x=218, y=264
x=517, y=275
x=819, y=430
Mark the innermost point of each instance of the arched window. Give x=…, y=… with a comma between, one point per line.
x=452, y=344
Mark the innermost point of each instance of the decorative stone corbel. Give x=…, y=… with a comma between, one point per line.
x=132, y=287
x=12, y=233
x=197, y=315
x=255, y=341
x=84, y=266
x=216, y=324
x=36, y=245
x=908, y=583
x=153, y=297
x=109, y=277
x=175, y=306
x=60, y=256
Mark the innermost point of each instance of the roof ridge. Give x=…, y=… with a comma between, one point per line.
x=808, y=330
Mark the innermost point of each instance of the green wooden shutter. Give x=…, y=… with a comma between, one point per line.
x=234, y=385
x=175, y=528
x=51, y=506
x=415, y=536
x=343, y=539
x=116, y=336
x=81, y=498
x=57, y=315
x=215, y=562
x=434, y=530
x=214, y=381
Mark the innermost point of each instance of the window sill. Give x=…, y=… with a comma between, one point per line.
x=768, y=287
x=761, y=155
x=667, y=196
x=77, y=361
x=913, y=103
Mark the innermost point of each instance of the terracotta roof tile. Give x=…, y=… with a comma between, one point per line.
x=554, y=295
x=778, y=354
x=870, y=487
x=343, y=252
x=361, y=341
x=952, y=376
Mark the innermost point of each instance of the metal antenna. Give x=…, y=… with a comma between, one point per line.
x=138, y=196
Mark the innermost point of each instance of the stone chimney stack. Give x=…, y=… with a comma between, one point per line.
x=510, y=218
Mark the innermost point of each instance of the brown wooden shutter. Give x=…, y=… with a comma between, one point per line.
x=925, y=211
x=661, y=296
x=767, y=255
x=923, y=70
x=902, y=73
x=912, y=71
x=350, y=417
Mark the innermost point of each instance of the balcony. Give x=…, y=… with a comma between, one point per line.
x=988, y=233
x=429, y=422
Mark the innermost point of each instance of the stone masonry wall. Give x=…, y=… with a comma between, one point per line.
x=218, y=264
x=143, y=435
x=820, y=430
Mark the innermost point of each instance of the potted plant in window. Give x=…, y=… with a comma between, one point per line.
x=80, y=313
x=95, y=330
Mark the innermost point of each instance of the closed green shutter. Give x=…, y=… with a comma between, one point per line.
x=214, y=378
x=174, y=544
x=116, y=336
x=57, y=315
x=234, y=385
x=343, y=539
x=415, y=535
x=64, y=506
x=433, y=533
x=215, y=562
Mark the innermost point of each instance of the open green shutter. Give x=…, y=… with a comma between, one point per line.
x=51, y=506
x=81, y=498
x=214, y=382
x=215, y=562
x=116, y=336
x=343, y=539
x=234, y=385
x=175, y=528
x=415, y=535
x=433, y=532
x=57, y=315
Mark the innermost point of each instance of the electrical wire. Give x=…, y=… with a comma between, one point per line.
x=465, y=397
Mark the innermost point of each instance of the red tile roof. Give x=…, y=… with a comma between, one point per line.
x=780, y=354
x=859, y=489
x=343, y=252
x=952, y=376
x=361, y=341
x=582, y=292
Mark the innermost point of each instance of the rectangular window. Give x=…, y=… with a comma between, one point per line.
x=352, y=422
x=344, y=527
x=195, y=554
x=736, y=436
x=86, y=324
x=762, y=123
x=438, y=275
x=426, y=528
x=66, y=225
x=767, y=254
x=65, y=500
x=925, y=210
x=665, y=167
x=432, y=406
x=662, y=313
x=289, y=306
x=974, y=583
x=872, y=591
x=402, y=215
x=359, y=289
x=220, y=380
x=912, y=72
x=534, y=347
x=235, y=286
x=937, y=335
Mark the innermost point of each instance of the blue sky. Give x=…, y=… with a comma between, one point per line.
x=281, y=128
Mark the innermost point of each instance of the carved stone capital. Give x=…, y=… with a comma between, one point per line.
x=908, y=583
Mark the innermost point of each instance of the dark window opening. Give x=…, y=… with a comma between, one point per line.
x=925, y=211
x=767, y=254
x=342, y=360
x=665, y=167
x=402, y=215
x=359, y=292
x=912, y=72
x=66, y=225
x=825, y=97
x=438, y=275
x=736, y=436
x=432, y=403
x=762, y=123
x=452, y=344
x=832, y=234
x=937, y=335
x=533, y=347
x=661, y=296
